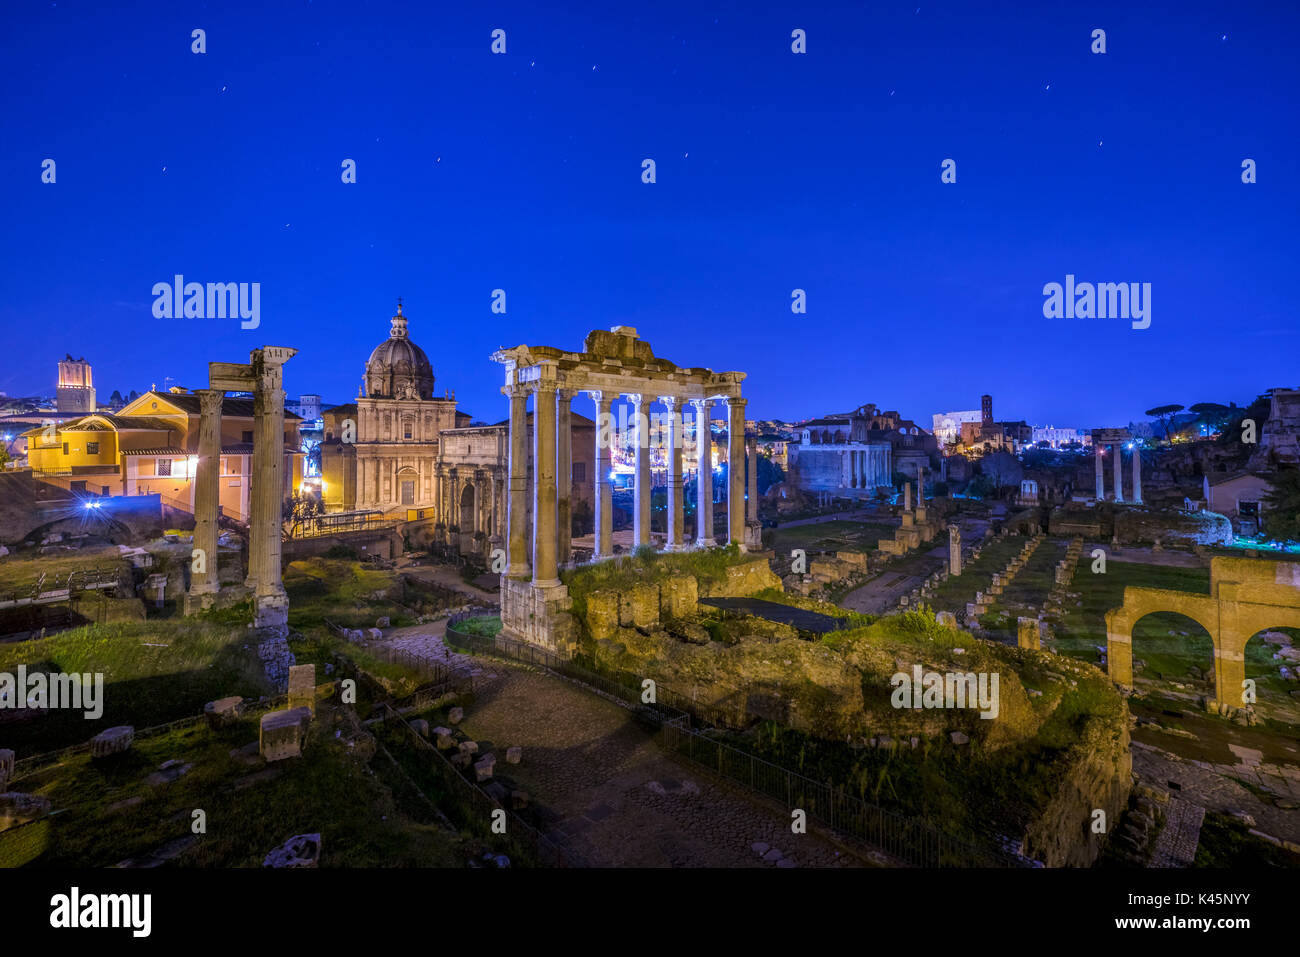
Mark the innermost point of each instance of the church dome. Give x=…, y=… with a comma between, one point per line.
x=398, y=368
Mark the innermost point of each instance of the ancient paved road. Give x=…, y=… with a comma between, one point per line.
x=617, y=799
x=1215, y=788
x=881, y=594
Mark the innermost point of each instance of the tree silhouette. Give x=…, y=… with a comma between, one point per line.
x=1164, y=413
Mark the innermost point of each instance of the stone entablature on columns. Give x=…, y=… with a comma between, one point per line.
x=263, y=376
x=1116, y=439
x=612, y=364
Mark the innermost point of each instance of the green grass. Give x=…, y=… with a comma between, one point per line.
x=1083, y=628
x=1225, y=842
x=154, y=672
x=15, y=570
x=364, y=818
x=831, y=536
x=349, y=593
x=953, y=593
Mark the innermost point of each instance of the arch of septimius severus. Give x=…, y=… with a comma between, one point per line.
x=534, y=602
x=1246, y=596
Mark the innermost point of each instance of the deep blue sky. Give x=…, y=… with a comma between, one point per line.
x=775, y=171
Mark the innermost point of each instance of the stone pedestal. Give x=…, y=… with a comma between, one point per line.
x=1027, y=633
x=539, y=615
x=280, y=735
x=302, y=687
x=113, y=741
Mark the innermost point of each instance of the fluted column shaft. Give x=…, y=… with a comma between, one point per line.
x=641, y=517
x=603, y=513
x=545, y=537
x=1137, y=476
x=1119, y=471
x=517, y=505
x=1101, y=473
x=736, y=471
x=564, y=472
x=207, y=490
x=676, y=507
x=704, y=472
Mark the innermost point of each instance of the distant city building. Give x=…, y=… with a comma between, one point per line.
x=307, y=408
x=854, y=453
x=1240, y=497
x=1056, y=437
x=986, y=435
x=76, y=392
x=1279, y=439
x=947, y=425
x=151, y=448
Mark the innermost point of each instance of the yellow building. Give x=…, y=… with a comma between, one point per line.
x=151, y=447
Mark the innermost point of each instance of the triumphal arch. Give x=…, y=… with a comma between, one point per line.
x=1246, y=596
x=534, y=603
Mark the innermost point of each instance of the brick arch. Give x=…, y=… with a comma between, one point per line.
x=1247, y=596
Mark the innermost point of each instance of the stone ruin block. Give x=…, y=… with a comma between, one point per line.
x=446, y=738
x=484, y=767
x=382, y=622
x=280, y=735
x=375, y=634
x=1027, y=633
x=514, y=755
x=456, y=715
x=223, y=712
x=469, y=747
x=18, y=808
x=421, y=727
x=959, y=738
x=946, y=618
x=302, y=687
x=972, y=610
x=113, y=741
x=301, y=850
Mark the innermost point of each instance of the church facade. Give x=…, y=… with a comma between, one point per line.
x=410, y=454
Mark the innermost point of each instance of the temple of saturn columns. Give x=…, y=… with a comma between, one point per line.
x=1116, y=438
x=534, y=603
x=264, y=377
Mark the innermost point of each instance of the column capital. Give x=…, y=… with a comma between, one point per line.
x=670, y=401
x=701, y=405
x=636, y=398
x=735, y=401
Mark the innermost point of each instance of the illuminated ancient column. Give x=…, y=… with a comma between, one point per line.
x=1101, y=474
x=954, y=550
x=207, y=492
x=517, y=506
x=676, y=507
x=751, y=480
x=1118, y=448
x=907, y=496
x=270, y=603
x=545, y=537
x=603, y=513
x=704, y=473
x=736, y=470
x=564, y=472
x=641, y=512
x=1137, y=475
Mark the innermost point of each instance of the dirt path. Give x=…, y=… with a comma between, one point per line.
x=614, y=797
